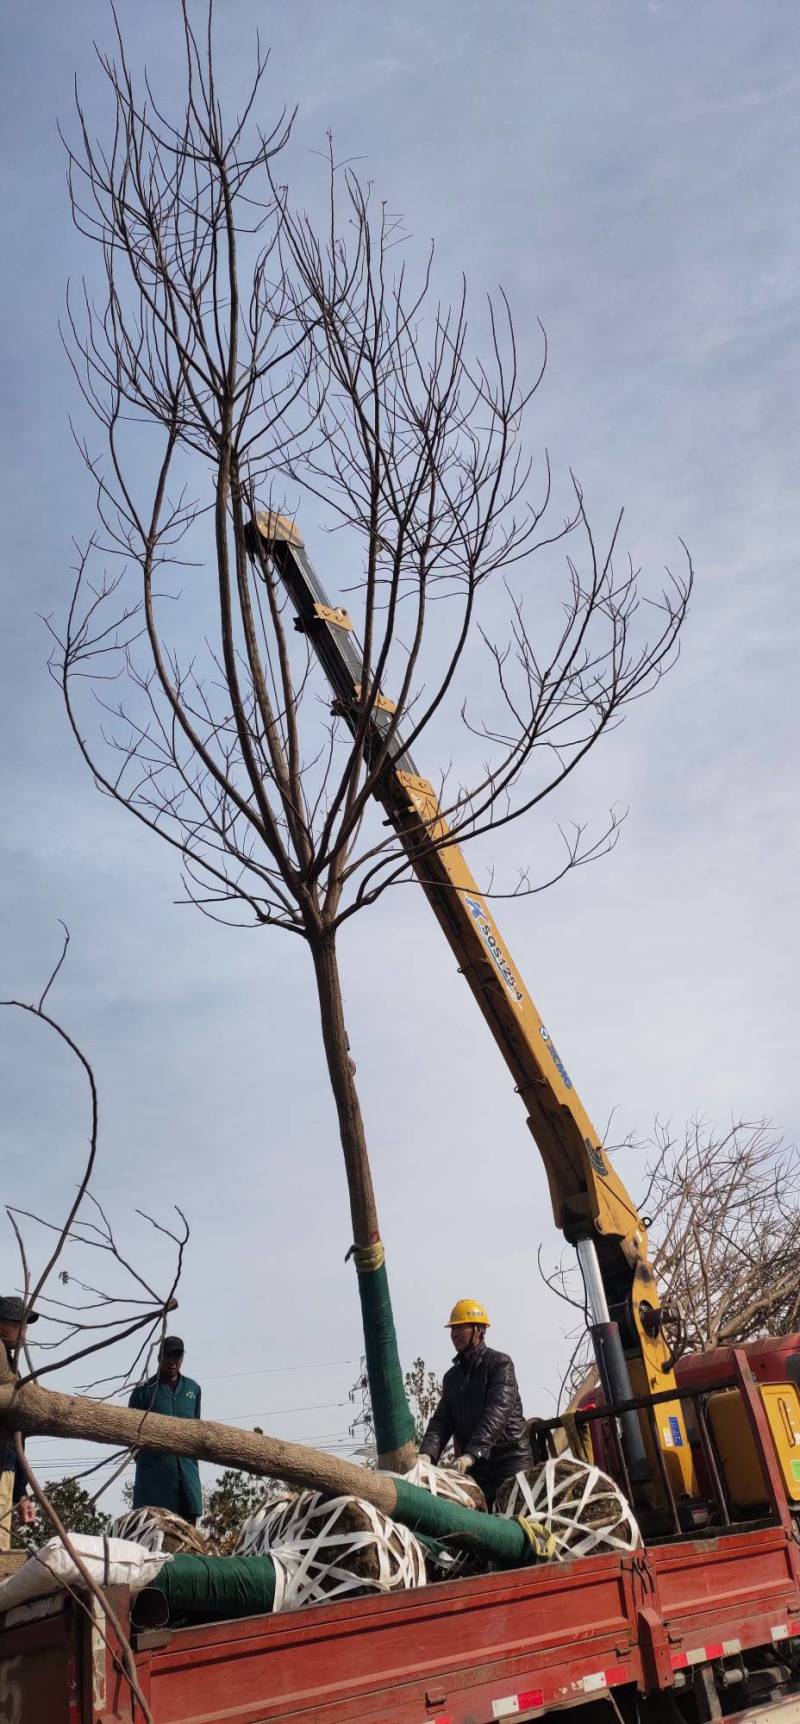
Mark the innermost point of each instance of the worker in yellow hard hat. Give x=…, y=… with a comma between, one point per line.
x=480, y=1406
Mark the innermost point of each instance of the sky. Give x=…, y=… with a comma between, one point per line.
x=626, y=171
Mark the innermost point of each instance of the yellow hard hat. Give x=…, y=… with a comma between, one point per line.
x=467, y=1311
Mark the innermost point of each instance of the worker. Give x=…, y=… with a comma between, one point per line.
x=14, y=1497
x=480, y=1406
x=163, y=1480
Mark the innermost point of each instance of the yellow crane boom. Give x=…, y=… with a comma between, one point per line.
x=590, y=1203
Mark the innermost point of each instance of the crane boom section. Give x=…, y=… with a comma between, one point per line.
x=588, y=1197
x=586, y=1192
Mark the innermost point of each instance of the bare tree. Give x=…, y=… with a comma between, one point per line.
x=724, y=1216
x=126, y=1307
x=95, y=1316
x=235, y=360
x=728, y=1226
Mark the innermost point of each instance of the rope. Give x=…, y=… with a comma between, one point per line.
x=299, y=1534
x=442, y=1482
x=544, y=1495
x=543, y=1542
x=159, y=1529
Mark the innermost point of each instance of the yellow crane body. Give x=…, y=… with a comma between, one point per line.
x=590, y=1203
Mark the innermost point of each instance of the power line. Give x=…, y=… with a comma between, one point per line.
x=275, y=1370
x=267, y=1371
x=277, y=1412
x=52, y=1464
x=61, y=1459
x=272, y=1413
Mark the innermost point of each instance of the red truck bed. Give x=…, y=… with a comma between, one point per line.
x=499, y=1646
x=509, y=1645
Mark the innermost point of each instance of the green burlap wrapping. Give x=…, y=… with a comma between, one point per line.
x=216, y=1587
x=484, y=1535
x=391, y=1414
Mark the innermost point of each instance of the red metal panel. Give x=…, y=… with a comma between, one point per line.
x=762, y=1437
x=657, y=1665
x=525, y=1641
x=773, y=1359
x=708, y=1578
x=716, y=1591
x=530, y=1640
x=472, y=1652
x=452, y=1651
x=39, y=1671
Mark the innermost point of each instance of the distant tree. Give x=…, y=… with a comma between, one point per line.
x=724, y=1217
x=63, y=1506
x=423, y=1389
x=229, y=1503
x=72, y=1504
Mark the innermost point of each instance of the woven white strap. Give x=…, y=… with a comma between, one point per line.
x=294, y=1532
x=544, y=1500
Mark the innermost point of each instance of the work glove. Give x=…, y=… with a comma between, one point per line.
x=464, y=1464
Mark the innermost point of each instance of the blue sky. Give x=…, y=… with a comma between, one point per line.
x=627, y=172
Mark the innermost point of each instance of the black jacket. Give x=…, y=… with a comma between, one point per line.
x=481, y=1409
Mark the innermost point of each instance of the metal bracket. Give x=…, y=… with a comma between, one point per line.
x=415, y=785
x=332, y=614
x=271, y=526
x=379, y=701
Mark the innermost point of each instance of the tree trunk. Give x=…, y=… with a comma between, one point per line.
x=393, y=1421
x=44, y=1412
x=363, y=1208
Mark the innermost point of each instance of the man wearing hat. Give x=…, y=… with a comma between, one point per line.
x=480, y=1407
x=164, y=1480
x=13, y=1484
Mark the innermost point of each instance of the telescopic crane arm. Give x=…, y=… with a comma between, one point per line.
x=590, y=1202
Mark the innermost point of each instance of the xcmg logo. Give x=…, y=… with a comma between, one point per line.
x=556, y=1058
x=478, y=914
x=595, y=1155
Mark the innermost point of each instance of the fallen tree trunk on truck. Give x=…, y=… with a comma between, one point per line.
x=48, y=1413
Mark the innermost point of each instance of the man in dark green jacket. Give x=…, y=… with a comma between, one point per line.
x=163, y=1480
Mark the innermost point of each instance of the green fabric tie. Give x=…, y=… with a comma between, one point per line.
x=489, y=1536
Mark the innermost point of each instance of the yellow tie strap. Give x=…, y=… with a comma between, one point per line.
x=538, y=1536
x=369, y=1256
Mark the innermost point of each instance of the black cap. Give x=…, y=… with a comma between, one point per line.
x=172, y=1344
x=12, y=1310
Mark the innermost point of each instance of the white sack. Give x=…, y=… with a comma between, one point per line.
x=110, y=1561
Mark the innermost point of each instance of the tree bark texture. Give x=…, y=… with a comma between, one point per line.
x=392, y=1418
x=363, y=1208
x=46, y=1412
